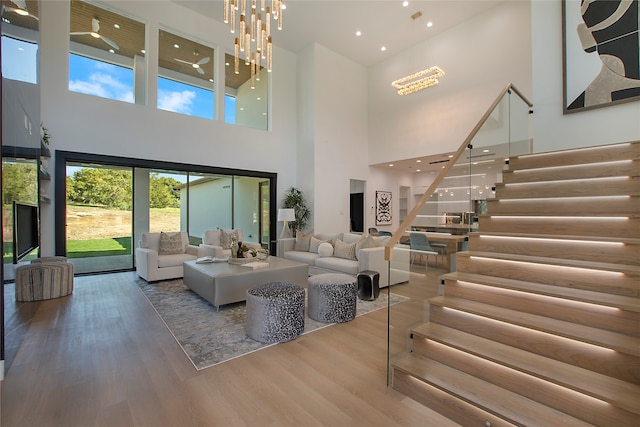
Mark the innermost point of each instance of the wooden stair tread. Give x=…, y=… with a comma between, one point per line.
x=576, y=188
x=622, y=343
x=589, y=170
x=622, y=268
x=618, y=392
x=626, y=240
x=610, y=300
x=489, y=397
x=577, y=156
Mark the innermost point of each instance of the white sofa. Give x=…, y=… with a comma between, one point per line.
x=369, y=255
x=216, y=242
x=153, y=264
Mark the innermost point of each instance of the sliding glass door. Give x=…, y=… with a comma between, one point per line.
x=99, y=217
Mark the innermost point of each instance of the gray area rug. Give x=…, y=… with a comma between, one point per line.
x=209, y=337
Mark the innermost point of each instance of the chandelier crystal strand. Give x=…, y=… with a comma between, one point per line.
x=247, y=47
x=257, y=64
x=269, y=52
x=253, y=25
x=236, y=58
x=253, y=74
x=254, y=32
x=232, y=13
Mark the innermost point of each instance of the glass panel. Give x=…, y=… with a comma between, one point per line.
x=250, y=95
x=265, y=222
x=210, y=201
x=99, y=217
x=448, y=208
x=107, y=54
x=167, y=210
x=19, y=184
x=185, y=76
x=247, y=207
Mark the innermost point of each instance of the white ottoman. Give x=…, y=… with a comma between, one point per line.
x=332, y=297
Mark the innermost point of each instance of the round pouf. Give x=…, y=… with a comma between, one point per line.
x=332, y=297
x=275, y=312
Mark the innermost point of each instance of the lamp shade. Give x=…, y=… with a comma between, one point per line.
x=286, y=215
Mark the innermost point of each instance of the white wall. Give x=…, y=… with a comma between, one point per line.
x=552, y=129
x=339, y=133
x=84, y=123
x=480, y=58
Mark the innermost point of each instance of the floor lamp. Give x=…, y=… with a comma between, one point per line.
x=286, y=215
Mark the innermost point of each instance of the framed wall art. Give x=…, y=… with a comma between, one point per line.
x=601, y=53
x=383, y=207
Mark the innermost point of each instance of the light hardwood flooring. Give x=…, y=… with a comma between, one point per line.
x=103, y=357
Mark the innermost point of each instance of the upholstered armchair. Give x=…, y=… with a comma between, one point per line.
x=217, y=243
x=159, y=256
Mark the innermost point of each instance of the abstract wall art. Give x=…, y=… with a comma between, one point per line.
x=601, y=52
x=383, y=207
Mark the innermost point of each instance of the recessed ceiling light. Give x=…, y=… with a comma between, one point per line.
x=486, y=150
x=258, y=99
x=429, y=24
x=450, y=155
x=390, y=165
x=405, y=3
x=143, y=51
x=418, y=161
x=177, y=46
x=116, y=26
x=383, y=48
x=211, y=80
x=358, y=33
x=418, y=170
x=226, y=64
x=112, y=51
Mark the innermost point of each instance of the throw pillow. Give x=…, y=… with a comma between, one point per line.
x=364, y=243
x=314, y=244
x=226, y=237
x=345, y=250
x=303, y=241
x=325, y=249
x=170, y=243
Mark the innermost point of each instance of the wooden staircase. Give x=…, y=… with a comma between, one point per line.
x=540, y=325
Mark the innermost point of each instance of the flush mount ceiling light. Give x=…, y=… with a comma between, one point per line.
x=252, y=22
x=418, y=81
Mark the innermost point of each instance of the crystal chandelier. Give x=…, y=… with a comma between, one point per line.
x=418, y=81
x=253, y=28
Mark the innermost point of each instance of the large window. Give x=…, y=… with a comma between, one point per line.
x=107, y=54
x=247, y=95
x=185, y=76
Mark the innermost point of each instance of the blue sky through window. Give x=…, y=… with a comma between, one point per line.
x=106, y=80
x=19, y=60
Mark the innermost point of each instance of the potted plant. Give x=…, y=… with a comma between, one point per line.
x=294, y=199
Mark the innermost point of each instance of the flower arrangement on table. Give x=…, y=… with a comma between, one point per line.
x=246, y=252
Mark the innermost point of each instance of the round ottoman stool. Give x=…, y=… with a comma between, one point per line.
x=332, y=297
x=275, y=312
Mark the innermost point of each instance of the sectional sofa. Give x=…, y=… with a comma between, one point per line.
x=347, y=253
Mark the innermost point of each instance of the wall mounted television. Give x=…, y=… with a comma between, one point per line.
x=26, y=236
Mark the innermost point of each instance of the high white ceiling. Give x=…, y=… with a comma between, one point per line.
x=333, y=23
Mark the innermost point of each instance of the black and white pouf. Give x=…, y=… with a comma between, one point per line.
x=332, y=297
x=275, y=312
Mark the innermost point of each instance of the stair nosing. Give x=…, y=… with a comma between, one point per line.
x=533, y=321
x=592, y=387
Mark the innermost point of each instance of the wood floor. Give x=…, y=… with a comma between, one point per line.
x=102, y=357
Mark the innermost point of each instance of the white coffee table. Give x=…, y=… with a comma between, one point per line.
x=223, y=283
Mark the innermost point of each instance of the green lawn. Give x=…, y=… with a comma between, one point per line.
x=98, y=247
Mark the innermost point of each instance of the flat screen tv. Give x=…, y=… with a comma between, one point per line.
x=26, y=236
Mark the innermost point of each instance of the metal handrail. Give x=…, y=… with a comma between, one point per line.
x=395, y=238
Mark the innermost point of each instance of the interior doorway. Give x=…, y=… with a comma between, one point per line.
x=356, y=205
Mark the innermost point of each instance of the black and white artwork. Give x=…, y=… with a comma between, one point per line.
x=383, y=207
x=601, y=53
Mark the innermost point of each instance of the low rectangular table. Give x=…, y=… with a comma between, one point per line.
x=223, y=283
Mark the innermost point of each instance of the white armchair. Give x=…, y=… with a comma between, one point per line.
x=217, y=242
x=156, y=261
